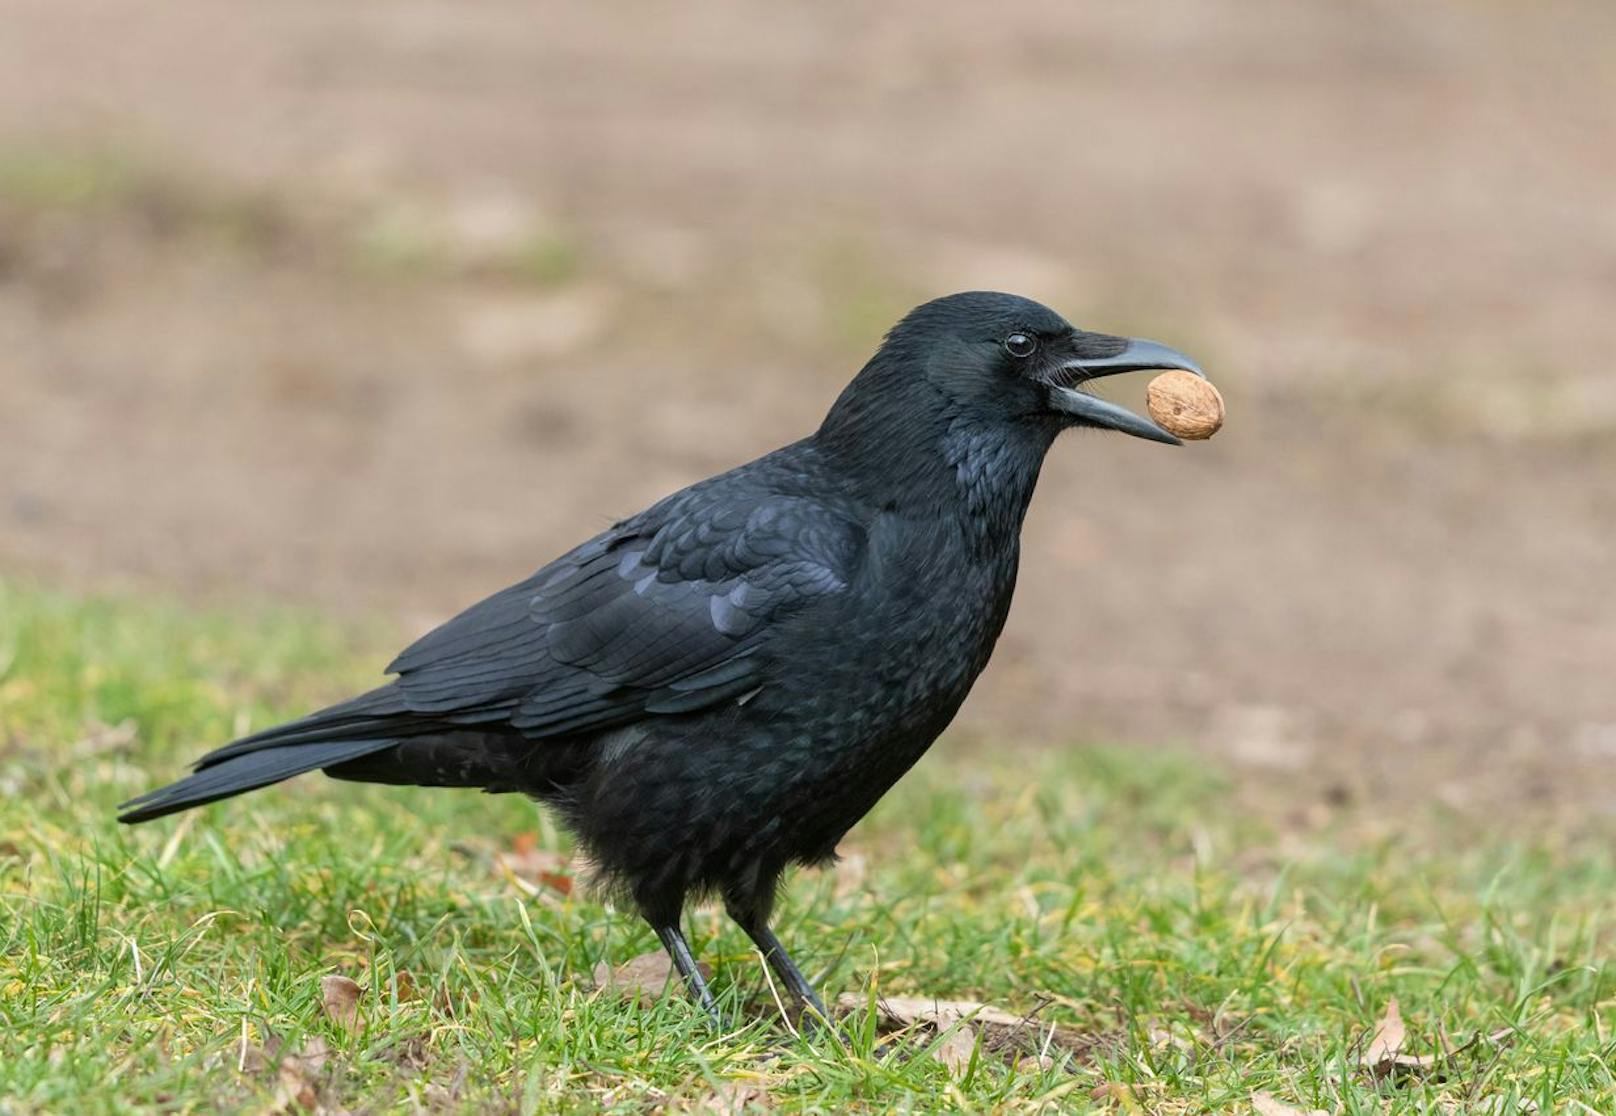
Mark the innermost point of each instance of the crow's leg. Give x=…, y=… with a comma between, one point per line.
x=673, y=940
x=752, y=914
x=787, y=970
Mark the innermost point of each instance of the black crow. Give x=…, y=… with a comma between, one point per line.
x=725, y=683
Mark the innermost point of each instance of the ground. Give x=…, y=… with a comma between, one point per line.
x=1153, y=943
x=370, y=309
x=377, y=307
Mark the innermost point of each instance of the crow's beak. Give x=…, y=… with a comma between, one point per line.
x=1134, y=355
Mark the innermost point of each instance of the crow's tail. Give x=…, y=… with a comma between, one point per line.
x=245, y=772
x=359, y=727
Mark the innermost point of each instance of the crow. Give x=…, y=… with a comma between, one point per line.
x=723, y=684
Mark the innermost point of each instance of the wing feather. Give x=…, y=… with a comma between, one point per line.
x=663, y=614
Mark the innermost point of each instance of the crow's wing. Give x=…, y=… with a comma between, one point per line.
x=668, y=612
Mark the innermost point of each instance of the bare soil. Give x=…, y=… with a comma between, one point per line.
x=377, y=306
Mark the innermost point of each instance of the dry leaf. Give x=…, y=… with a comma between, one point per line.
x=341, y=999
x=534, y=866
x=558, y=882
x=1403, y=1064
x=956, y=1049
x=905, y=1011
x=439, y=1098
x=1266, y=1104
x=1388, y=1038
x=314, y=1053
x=1383, y=1057
x=446, y=1098
x=250, y=1057
x=648, y=974
x=452, y=1004
x=732, y=1098
x=296, y=1089
x=296, y=1073
x=851, y=869
x=1006, y=1033
x=411, y=1052
x=1161, y=1038
x=1116, y=1091
x=104, y=738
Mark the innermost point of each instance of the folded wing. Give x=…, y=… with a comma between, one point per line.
x=666, y=613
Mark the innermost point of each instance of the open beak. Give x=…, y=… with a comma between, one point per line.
x=1135, y=355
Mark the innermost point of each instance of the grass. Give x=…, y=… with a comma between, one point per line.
x=397, y=239
x=1189, y=950
x=41, y=178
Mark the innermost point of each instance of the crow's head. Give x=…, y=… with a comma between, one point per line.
x=1003, y=357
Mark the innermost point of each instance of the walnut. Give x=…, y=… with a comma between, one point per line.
x=1184, y=404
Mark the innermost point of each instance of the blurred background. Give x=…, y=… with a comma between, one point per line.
x=374, y=307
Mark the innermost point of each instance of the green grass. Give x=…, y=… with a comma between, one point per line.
x=1185, y=945
x=41, y=178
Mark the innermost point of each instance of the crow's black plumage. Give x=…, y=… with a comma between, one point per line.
x=724, y=683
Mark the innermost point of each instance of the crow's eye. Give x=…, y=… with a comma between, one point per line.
x=1020, y=345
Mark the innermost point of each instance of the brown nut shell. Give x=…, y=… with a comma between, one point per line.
x=1183, y=404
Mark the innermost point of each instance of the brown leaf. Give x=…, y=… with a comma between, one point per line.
x=851, y=869
x=557, y=881
x=534, y=863
x=297, y=1073
x=535, y=867
x=1384, y=1058
x=1389, y=1036
x=441, y=1097
x=452, y=1004
x=1401, y=1064
x=1266, y=1104
x=1161, y=1038
x=649, y=974
x=955, y=1050
x=250, y=1057
x=411, y=1051
x=1017, y=1038
x=905, y=1011
x=296, y=1089
x=732, y=1098
x=102, y=738
x=341, y=999
x=314, y=1053
x=1116, y=1091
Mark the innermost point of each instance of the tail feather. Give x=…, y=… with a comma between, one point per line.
x=374, y=737
x=370, y=715
x=244, y=772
